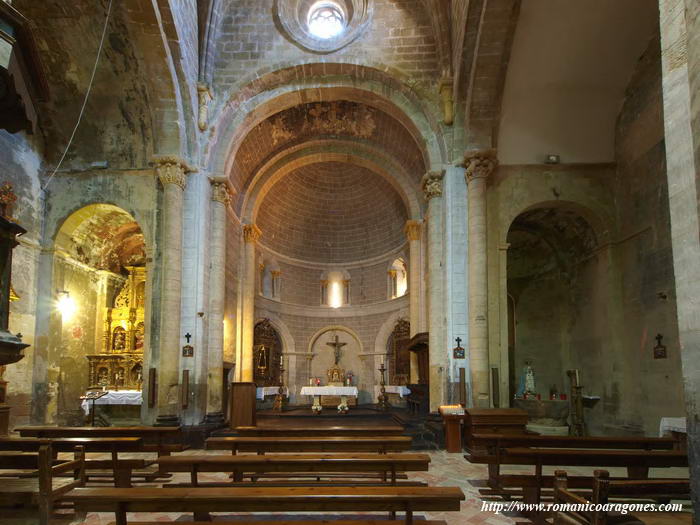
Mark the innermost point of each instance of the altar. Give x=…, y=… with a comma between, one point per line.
x=338, y=391
x=398, y=390
x=115, y=397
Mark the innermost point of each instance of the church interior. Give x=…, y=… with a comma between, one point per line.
x=349, y=260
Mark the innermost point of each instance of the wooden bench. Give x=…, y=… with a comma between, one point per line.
x=385, y=465
x=335, y=431
x=604, y=488
x=488, y=443
x=261, y=445
x=295, y=522
x=42, y=487
x=121, y=469
x=637, y=463
x=161, y=440
x=330, y=500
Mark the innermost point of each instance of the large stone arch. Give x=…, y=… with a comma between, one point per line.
x=290, y=85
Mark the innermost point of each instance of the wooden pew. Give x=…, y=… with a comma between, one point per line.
x=488, y=450
x=488, y=443
x=261, y=445
x=637, y=463
x=604, y=488
x=121, y=468
x=385, y=465
x=329, y=500
x=161, y=440
x=335, y=431
x=42, y=487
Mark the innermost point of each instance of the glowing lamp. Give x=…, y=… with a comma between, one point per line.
x=65, y=305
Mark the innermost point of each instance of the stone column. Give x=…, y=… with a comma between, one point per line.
x=251, y=234
x=413, y=231
x=479, y=166
x=680, y=60
x=220, y=198
x=432, y=188
x=172, y=173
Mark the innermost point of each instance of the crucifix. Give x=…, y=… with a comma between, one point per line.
x=337, y=345
x=188, y=336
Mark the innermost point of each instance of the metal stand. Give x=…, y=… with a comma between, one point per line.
x=93, y=396
x=578, y=425
x=383, y=402
x=279, y=398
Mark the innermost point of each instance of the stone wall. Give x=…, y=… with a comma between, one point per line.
x=20, y=158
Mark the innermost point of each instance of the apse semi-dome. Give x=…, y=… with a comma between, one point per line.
x=332, y=212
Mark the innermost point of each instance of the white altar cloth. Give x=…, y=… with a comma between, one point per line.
x=329, y=391
x=392, y=389
x=115, y=397
x=672, y=424
x=263, y=391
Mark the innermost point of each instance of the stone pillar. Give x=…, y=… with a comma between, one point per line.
x=432, y=188
x=479, y=166
x=251, y=234
x=220, y=198
x=172, y=173
x=680, y=60
x=413, y=231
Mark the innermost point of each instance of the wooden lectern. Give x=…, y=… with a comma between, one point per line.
x=242, y=405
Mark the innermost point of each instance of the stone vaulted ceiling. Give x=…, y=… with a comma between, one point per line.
x=332, y=212
x=337, y=120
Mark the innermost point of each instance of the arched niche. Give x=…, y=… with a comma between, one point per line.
x=99, y=330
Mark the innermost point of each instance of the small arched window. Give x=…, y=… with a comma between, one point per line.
x=270, y=280
x=397, y=279
x=335, y=288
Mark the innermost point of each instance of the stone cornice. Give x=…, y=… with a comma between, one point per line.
x=382, y=307
x=251, y=233
x=479, y=164
x=432, y=184
x=413, y=230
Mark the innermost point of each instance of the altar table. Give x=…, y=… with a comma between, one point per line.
x=672, y=424
x=317, y=391
x=263, y=391
x=392, y=389
x=115, y=397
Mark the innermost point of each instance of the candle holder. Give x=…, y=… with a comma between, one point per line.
x=279, y=398
x=383, y=402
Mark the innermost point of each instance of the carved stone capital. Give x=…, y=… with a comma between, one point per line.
x=412, y=230
x=432, y=184
x=251, y=233
x=480, y=164
x=221, y=191
x=172, y=170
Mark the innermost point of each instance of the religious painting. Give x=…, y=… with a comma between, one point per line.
x=267, y=354
x=399, y=357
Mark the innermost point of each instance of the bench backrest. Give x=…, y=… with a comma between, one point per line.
x=596, y=442
x=391, y=430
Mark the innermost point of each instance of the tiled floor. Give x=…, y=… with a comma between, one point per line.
x=445, y=470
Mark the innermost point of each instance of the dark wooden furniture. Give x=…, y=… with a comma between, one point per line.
x=530, y=486
x=452, y=424
x=120, y=469
x=385, y=465
x=42, y=487
x=387, y=430
x=604, y=488
x=261, y=445
x=492, y=421
x=242, y=405
x=161, y=440
x=201, y=501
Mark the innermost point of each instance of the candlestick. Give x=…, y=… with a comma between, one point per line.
x=383, y=402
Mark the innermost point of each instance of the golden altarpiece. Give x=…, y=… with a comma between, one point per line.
x=120, y=364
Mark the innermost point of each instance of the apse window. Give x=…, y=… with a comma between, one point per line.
x=326, y=20
x=398, y=279
x=335, y=289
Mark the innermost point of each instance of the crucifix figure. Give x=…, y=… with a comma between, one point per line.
x=337, y=345
x=459, y=342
